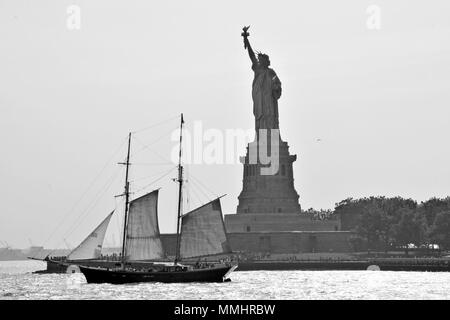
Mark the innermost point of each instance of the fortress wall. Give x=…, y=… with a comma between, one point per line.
x=290, y=242
x=236, y=223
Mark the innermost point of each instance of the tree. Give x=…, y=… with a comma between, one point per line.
x=440, y=230
x=430, y=208
x=372, y=225
x=409, y=230
x=351, y=209
x=398, y=221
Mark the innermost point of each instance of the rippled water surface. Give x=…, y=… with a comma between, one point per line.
x=17, y=282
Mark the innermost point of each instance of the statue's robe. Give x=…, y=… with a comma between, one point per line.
x=266, y=91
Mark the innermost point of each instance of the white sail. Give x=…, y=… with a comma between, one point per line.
x=143, y=241
x=91, y=247
x=203, y=232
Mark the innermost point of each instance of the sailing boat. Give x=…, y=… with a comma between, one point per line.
x=91, y=247
x=202, y=233
x=87, y=252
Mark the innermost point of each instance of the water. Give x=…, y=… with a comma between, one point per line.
x=17, y=282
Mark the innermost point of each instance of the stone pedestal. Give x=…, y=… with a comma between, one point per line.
x=268, y=193
x=277, y=222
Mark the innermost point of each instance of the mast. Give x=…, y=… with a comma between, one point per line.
x=127, y=198
x=180, y=182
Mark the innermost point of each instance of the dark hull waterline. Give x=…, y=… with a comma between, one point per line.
x=98, y=275
x=61, y=267
x=341, y=265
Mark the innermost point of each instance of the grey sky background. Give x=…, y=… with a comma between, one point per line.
x=377, y=99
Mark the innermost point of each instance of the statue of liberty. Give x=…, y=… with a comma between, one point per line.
x=266, y=88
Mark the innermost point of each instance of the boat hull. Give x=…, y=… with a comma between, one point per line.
x=213, y=274
x=61, y=266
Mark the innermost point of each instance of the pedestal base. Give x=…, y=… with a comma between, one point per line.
x=269, y=193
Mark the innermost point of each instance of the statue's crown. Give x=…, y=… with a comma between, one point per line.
x=262, y=55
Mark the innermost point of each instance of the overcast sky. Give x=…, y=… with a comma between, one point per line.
x=366, y=110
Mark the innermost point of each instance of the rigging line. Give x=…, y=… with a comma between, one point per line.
x=154, y=181
x=188, y=197
x=147, y=146
x=156, y=124
x=166, y=161
x=197, y=185
x=196, y=196
x=152, y=163
x=99, y=196
x=77, y=226
x=186, y=189
x=92, y=205
x=205, y=187
x=85, y=192
x=150, y=176
x=166, y=133
x=87, y=210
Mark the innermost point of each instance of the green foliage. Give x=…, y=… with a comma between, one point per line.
x=371, y=223
x=429, y=209
x=440, y=230
x=387, y=222
x=319, y=214
x=410, y=229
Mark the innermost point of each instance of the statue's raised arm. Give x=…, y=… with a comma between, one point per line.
x=247, y=45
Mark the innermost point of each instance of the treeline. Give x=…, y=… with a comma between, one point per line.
x=386, y=223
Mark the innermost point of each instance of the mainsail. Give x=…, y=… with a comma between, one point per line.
x=143, y=241
x=203, y=231
x=91, y=247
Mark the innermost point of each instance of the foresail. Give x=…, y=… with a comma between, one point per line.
x=143, y=240
x=91, y=247
x=203, y=232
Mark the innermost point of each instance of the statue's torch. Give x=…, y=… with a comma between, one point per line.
x=245, y=34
